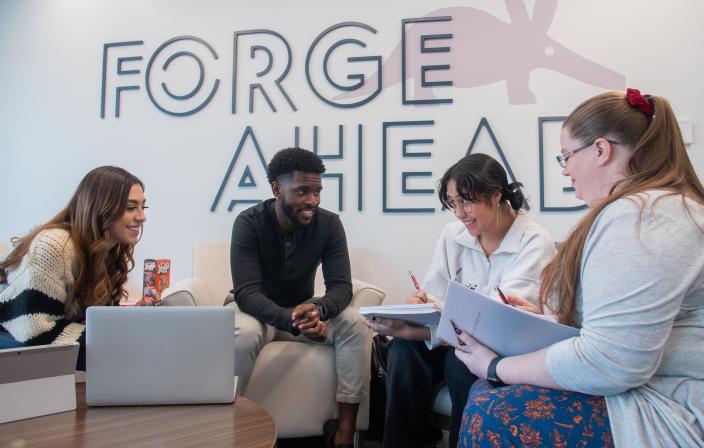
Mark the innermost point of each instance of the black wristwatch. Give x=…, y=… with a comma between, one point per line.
x=320, y=309
x=491, y=375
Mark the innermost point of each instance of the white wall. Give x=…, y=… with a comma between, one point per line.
x=51, y=132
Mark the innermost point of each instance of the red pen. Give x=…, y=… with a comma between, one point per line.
x=414, y=280
x=503, y=297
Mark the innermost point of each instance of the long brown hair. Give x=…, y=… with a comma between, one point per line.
x=658, y=160
x=103, y=265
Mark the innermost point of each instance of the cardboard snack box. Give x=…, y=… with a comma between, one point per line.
x=157, y=274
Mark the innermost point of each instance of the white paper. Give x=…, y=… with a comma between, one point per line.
x=506, y=330
x=418, y=314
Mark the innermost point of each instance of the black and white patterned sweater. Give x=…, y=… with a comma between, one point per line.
x=35, y=302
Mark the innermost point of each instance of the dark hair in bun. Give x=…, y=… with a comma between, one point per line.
x=478, y=176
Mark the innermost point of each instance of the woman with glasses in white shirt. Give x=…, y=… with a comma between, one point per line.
x=491, y=244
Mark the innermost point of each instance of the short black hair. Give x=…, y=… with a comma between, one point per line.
x=478, y=176
x=288, y=160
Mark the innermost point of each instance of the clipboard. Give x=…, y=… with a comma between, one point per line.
x=506, y=330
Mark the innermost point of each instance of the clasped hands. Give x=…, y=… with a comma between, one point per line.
x=306, y=318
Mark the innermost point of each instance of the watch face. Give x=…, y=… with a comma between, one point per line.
x=320, y=311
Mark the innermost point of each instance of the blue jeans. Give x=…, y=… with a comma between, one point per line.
x=413, y=374
x=7, y=341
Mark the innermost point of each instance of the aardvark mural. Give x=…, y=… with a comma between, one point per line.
x=467, y=47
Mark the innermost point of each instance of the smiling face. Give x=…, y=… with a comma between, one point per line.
x=297, y=199
x=127, y=228
x=478, y=217
x=581, y=168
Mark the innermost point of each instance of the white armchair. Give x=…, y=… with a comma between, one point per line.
x=299, y=398
x=442, y=408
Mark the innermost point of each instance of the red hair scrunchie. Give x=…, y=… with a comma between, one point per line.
x=640, y=102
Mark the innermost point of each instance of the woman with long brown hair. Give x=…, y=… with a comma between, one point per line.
x=631, y=276
x=80, y=258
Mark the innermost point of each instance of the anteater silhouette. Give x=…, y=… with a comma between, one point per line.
x=485, y=49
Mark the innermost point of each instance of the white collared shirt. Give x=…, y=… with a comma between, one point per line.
x=515, y=266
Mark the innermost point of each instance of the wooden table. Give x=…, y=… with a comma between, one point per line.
x=243, y=424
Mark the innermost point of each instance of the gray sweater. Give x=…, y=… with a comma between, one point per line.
x=640, y=307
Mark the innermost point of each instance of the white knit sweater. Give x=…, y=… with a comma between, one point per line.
x=34, y=303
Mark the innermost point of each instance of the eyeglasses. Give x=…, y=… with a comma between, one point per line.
x=562, y=158
x=460, y=203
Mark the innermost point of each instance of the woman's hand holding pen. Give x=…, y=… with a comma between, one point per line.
x=523, y=304
x=418, y=296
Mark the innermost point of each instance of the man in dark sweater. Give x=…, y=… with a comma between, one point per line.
x=276, y=248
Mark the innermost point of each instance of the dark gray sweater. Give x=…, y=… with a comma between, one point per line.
x=270, y=281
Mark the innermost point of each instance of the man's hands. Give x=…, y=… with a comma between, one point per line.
x=317, y=333
x=306, y=319
x=305, y=316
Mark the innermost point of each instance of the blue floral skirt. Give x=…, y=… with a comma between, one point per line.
x=529, y=416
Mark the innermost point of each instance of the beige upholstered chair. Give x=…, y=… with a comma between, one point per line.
x=439, y=416
x=294, y=382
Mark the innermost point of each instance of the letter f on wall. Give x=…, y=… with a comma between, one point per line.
x=120, y=70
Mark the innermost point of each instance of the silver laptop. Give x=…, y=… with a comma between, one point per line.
x=159, y=355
